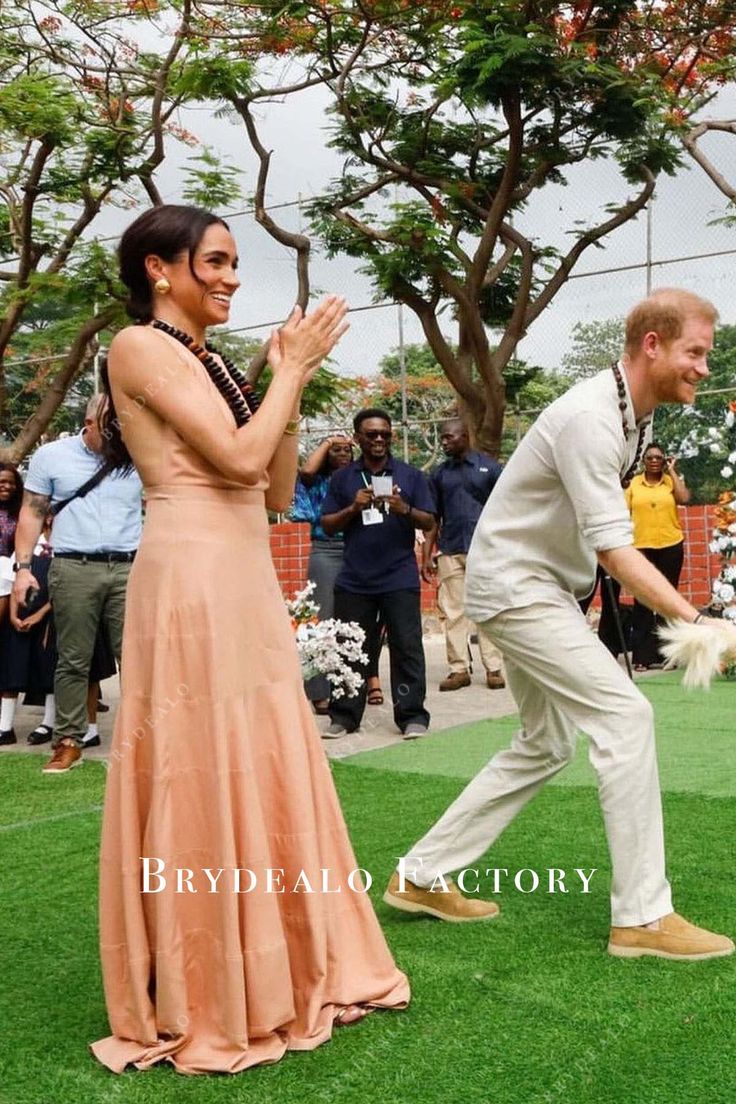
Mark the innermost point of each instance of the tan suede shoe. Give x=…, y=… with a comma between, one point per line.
x=495, y=680
x=675, y=938
x=455, y=681
x=450, y=906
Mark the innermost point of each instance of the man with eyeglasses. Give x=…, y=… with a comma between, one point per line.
x=378, y=502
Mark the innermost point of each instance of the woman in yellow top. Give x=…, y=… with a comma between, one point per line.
x=653, y=498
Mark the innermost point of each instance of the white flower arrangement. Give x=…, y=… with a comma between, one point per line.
x=327, y=647
x=723, y=592
x=723, y=542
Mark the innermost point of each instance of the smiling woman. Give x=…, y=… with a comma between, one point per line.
x=180, y=264
x=216, y=758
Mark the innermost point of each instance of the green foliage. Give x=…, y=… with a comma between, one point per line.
x=430, y=399
x=210, y=182
x=39, y=108
x=503, y=99
x=209, y=77
x=58, y=307
x=595, y=346
x=77, y=131
x=529, y=389
x=324, y=395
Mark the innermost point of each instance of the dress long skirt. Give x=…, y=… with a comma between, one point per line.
x=216, y=764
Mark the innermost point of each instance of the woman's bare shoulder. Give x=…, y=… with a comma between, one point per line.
x=138, y=352
x=136, y=339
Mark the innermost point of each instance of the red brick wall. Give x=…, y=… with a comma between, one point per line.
x=701, y=565
x=290, y=550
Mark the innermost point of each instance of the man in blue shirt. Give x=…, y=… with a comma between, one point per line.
x=461, y=487
x=95, y=538
x=379, y=574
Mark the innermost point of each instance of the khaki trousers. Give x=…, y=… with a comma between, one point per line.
x=451, y=601
x=83, y=596
x=563, y=679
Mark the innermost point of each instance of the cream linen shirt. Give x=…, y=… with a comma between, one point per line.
x=558, y=501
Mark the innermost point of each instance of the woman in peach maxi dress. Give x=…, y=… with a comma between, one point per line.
x=216, y=761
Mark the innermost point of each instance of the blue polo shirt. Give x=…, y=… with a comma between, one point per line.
x=379, y=558
x=461, y=488
x=108, y=519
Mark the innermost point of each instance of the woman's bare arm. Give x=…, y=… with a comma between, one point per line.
x=148, y=371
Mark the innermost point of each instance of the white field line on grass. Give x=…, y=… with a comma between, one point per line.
x=49, y=819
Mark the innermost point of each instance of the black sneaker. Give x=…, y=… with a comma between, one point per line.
x=8, y=737
x=90, y=741
x=40, y=735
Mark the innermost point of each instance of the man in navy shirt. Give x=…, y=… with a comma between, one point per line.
x=461, y=486
x=379, y=575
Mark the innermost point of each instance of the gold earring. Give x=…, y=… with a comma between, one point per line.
x=162, y=286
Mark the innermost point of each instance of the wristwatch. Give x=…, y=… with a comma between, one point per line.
x=22, y=565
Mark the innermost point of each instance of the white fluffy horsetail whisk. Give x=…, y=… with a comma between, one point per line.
x=702, y=650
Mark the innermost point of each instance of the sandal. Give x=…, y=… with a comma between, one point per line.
x=351, y=1014
x=375, y=696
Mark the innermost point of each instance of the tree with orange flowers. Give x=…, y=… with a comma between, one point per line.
x=85, y=114
x=453, y=118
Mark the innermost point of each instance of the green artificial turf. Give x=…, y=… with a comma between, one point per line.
x=696, y=740
x=527, y=1009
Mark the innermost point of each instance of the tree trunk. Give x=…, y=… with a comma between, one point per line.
x=484, y=419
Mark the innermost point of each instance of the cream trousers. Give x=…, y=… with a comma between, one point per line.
x=564, y=680
x=451, y=601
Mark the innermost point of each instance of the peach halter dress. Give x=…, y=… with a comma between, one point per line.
x=217, y=763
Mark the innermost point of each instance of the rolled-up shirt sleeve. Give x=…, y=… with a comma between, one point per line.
x=588, y=453
x=38, y=480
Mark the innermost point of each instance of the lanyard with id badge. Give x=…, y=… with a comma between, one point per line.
x=382, y=486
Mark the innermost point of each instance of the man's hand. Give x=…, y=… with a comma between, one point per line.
x=429, y=572
x=23, y=580
x=363, y=498
x=396, y=504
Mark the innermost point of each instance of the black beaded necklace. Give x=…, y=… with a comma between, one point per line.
x=239, y=395
x=622, y=404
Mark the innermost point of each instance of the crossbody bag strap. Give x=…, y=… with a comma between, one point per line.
x=84, y=489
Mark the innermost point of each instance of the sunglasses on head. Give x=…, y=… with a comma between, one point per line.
x=374, y=434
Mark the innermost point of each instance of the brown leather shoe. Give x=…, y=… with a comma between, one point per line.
x=450, y=906
x=675, y=938
x=64, y=758
x=455, y=681
x=495, y=680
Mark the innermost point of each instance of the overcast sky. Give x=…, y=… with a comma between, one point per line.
x=297, y=132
